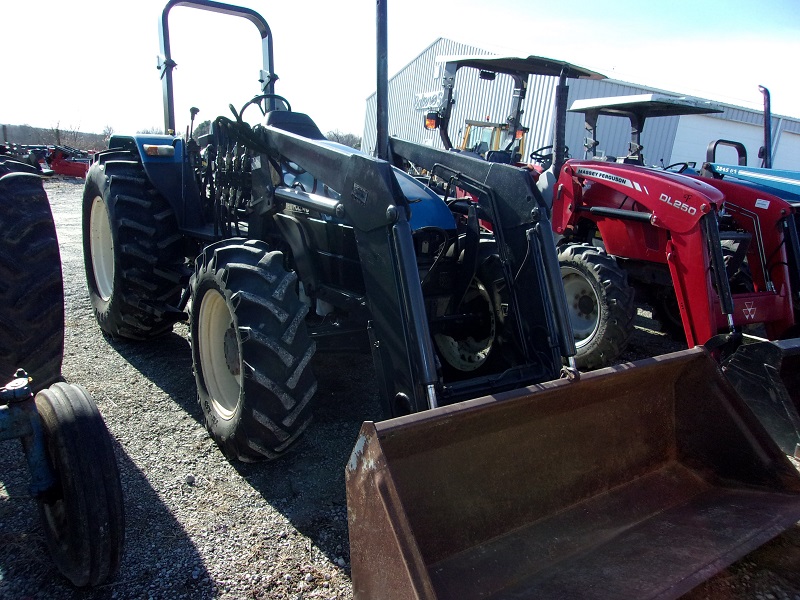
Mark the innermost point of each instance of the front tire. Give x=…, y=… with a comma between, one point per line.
x=83, y=516
x=251, y=350
x=600, y=304
x=132, y=252
x=31, y=286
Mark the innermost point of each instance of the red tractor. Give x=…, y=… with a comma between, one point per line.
x=709, y=255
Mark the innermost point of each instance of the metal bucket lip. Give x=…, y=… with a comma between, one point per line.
x=696, y=354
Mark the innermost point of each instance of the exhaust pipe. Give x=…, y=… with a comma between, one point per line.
x=766, y=161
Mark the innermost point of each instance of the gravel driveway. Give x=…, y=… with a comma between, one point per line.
x=201, y=527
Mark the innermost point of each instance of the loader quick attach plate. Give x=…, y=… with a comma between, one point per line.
x=638, y=481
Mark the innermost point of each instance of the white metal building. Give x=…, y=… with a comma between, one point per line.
x=416, y=89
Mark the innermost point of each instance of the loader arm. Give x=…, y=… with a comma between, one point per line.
x=372, y=202
x=655, y=217
x=524, y=235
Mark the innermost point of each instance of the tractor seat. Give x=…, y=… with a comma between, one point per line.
x=294, y=122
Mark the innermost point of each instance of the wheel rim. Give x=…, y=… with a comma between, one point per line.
x=582, y=304
x=220, y=360
x=468, y=353
x=101, y=247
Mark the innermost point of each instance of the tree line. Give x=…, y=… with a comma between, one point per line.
x=73, y=137
x=55, y=136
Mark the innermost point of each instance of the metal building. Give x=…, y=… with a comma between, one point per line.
x=416, y=88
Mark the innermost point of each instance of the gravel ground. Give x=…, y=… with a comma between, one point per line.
x=201, y=527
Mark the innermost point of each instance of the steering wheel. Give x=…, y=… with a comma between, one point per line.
x=540, y=155
x=257, y=100
x=678, y=167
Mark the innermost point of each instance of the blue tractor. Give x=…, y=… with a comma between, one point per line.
x=274, y=242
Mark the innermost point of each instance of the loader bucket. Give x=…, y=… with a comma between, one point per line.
x=638, y=481
x=767, y=375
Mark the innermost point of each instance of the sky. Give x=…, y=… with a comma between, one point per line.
x=91, y=64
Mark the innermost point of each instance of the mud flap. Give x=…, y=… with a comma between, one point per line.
x=767, y=375
x=638, y=481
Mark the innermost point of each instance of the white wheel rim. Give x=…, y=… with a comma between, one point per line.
x=218, y=348
x=583, y=305
x=101, y=247
x=468, y=354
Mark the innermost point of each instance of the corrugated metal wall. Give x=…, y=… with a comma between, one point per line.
x=491, y=100
x=418, y=77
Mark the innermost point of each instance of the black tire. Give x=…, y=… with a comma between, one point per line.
x=600, y=303
x=133, y=251
x=83, y=517
x=31, y=286
x=251, y=350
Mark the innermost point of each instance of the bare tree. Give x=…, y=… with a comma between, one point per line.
x=73, y=136
x=108, y=131
x=146, y=130
x=56, y=134
x=348, y=139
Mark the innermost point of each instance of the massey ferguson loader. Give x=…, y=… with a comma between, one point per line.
x=709, y=256
x=494, y=477
x=751, y=226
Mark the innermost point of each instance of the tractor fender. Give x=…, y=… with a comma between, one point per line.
x=170, y=175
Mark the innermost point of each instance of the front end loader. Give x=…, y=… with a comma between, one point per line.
x=277, y=243
x=716, y=260
x=627, y=483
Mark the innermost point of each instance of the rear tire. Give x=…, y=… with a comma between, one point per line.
x=251, y=350
x=600, y=304
x=83, y=517
x=133, y=252
x=31, y=286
